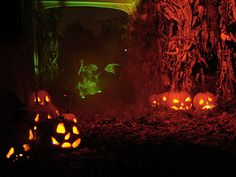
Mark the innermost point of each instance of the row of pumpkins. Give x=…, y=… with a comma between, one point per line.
x=183, y=100
x=48, y=129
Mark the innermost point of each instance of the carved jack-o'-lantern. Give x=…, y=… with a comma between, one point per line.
x=156, y=100
x=179, y=100
x=40, y=97
x=204, y=101
x=40, y=106
x=21, y=151
x=60, y=133
x=41, y=113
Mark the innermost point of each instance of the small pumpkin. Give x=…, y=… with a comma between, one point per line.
x=179, y=100
x=59, y=133
x=39, y=114
x=154, y=100
x=40, y=97
x=204, y=101
x=160, y=99
x=20, y=150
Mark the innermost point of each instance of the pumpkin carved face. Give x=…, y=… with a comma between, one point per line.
x=154, y=100
x=204, y=101
x=42, y=113
x=39, y=114
x=40, y=97
x=60, y=133
x=160, y=99
x=21, y=151
x=179, y=100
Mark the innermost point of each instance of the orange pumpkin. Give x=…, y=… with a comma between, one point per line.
x=20, y=148
x=204, y=101
x=160, y=99
x=60, y=133
x=40, y=97
x=179, y=100
x=39, y=114
x=154, y=100
x=18, y=152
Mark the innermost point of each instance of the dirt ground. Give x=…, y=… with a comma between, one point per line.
x=142, y=141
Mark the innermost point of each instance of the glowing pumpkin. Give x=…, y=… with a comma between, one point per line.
x=39, y=114
x=179, y=100
x=156, y=100
x=204, y=101
x=21, y=148
x=40, y=97
x=19, y=152
x=60, y=133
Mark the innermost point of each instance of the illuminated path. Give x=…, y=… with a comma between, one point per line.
x=127, y=6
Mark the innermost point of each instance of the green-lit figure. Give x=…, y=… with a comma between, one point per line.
x=90, y=78
x=111, y=68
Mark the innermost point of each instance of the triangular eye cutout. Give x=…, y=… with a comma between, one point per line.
x=201, y=101
x=61, y=128
x=188, y=99
x=210, y=99
x=37, y=100
x=36, y=119
x=47, y=100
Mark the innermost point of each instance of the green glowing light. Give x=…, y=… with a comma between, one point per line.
x=127, y=6
x=36, y=64
x=88, y=87
x=111, y=68
x=88, y=80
